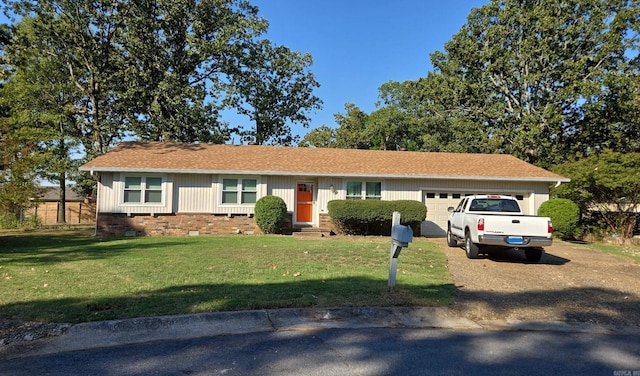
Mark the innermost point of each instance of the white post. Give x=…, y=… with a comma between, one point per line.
x=393, y=261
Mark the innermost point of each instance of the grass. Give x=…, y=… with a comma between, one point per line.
x=629, y=251
x=72, y=277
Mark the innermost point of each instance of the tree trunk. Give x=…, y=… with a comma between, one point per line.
x=62, y=207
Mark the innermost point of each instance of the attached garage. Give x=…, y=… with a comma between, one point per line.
x=438, y=202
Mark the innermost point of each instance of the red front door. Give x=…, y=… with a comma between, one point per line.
x=304, y=202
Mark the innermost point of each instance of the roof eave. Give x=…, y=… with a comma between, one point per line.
x=321, y=174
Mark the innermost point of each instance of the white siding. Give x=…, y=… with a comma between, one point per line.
x=402, y=190
x=329, y=189
x=283, y=187
x=193, y=194
x=106, y=200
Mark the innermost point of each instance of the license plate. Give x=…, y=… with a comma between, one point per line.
x=515, y=240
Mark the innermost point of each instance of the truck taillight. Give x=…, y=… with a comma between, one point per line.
x=549, y=227
x=481, y=224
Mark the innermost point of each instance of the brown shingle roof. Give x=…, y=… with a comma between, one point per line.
x=275, y=160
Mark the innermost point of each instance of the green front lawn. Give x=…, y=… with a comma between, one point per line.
x=71, y=277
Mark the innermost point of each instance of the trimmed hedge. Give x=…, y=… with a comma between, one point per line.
x=373, y=217
x=565, y=216
x=270, y=214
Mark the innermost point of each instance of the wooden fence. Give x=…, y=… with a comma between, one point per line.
x=75, y=212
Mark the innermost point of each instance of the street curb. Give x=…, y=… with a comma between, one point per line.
x=556, y=326
x=102, y=334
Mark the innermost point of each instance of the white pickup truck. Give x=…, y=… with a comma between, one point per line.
x=497, y=221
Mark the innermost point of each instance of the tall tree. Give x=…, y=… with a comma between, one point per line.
x=352, y=130
x=274, y=87
x=436, y=117
x=321, y=137
x=540, y=79
x=178, y=54
x=82, y=37
x=387, y=129
x=161, y=69
x=19, y=153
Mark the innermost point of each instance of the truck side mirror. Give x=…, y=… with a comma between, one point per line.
x=450, y=209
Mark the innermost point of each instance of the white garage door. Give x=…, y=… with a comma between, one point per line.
x=438, y=202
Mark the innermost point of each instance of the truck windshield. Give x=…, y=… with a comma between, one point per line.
x=494, y=205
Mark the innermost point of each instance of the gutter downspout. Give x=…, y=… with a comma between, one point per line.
x=95, y=229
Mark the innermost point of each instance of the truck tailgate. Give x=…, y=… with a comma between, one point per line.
x=519, y=225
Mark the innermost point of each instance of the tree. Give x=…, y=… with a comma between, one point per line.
x=352, y=131
x=539, y=79
x=82, y=38
x=42, y=104
x=163, y=70
x=178, y=55
x=321, y=137
x=607, y=185
x=274, y=87
x=19, y=161
x=19, y=154
x=387, y=129
x=436, y=118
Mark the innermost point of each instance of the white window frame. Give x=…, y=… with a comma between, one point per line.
x=143, y=190
x=239, y=180
x=363, y=190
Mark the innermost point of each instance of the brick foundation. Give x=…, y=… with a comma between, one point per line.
x=112, y=224
x=326, y=222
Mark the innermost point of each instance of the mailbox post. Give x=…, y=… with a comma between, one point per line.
x=401, y=236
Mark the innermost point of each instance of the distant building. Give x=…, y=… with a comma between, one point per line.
x=78, y=209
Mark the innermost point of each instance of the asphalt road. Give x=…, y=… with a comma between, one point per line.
x=364, y=351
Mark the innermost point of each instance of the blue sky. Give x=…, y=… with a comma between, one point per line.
x=357, y=45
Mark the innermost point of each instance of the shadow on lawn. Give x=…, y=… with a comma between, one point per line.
x=184, y=299
x=61, y=246
x=588, y=305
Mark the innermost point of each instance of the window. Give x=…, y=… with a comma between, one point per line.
x=444, y=195
x=354, y=190
x=239, y=191
x=495, y=205
x=374, y=191
x=142, y=190
x=370, y=190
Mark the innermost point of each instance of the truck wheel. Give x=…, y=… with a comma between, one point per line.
x=470, y=247
x=451, y=240
x=533, y=254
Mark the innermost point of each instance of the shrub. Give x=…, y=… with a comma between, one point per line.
x=373, y=217
x=9, y=221
x=270, y=214
x=565, y=215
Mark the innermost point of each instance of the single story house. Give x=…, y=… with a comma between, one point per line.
x=155, y=188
